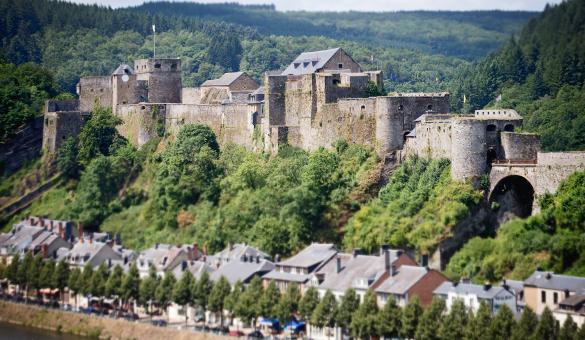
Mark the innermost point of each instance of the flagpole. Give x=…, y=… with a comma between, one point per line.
x=154, y=32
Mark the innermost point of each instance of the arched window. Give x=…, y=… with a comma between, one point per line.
x=509, y=128
x=491, y=128
x=429, y=107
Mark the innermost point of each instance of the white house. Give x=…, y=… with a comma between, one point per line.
x=473, y=294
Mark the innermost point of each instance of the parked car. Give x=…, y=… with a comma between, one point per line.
x=236, y=333
x=158, y=323
x=255, y=335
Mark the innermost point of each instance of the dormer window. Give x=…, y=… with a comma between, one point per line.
x=297, y=65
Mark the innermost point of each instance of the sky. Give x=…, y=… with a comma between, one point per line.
x=370, y=5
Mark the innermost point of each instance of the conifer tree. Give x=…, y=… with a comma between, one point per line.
x=131, y=285
x=12, y=269
x=364, y=323
x=84, y=281
x=453, y=323
x=23, y=272
x=570, y=330
x=183, y=291
x=503, y=324
x=430, y=321
x=410, y=317
x=547, y=326
x=113, y=287
x=201, y=290
x=479, y=325
x=233, y=299
x=308, y=303
x=389, y=319
x=526, y=326
x=73, y=282
x=324, y=314
x=270, y=300
x=34, y=273
x=248, y=307
x=289, y=303
x=164, y=291
x=219, y=293
x=349, y=304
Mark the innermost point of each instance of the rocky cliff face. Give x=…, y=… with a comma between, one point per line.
x=23, y=147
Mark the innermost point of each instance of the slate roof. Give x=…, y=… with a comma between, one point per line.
x=360, y=267
x=550, y=280
x=282, y=276
x=195, y=267
x=123, y=69
x=238, y=251
x=21, y=237
x=87, y=250
x=310, y=62
x=470, y=289
x=404, y=278
x=259, y=90
x=240, y=270
x=225, y=80
x=312, y=255
x=574, y=301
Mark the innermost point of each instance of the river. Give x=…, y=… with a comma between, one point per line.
x=14, y=332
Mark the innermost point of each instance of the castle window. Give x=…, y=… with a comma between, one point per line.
x=143, y=107
x=340, y=66
x=101, y=90
x=400, y=107
x=336, y=81
x=363, y=107
x=509, y=128
x=491, y=128
x=429, y=107
x=173, y=67
x=157, y=65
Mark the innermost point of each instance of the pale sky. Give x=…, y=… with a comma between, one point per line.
x=369, y=5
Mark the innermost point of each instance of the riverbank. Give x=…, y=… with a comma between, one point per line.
x=88, y=325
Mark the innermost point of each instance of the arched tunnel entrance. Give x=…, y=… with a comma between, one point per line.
x=514, y=196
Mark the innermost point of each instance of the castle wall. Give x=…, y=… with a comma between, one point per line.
x=92, y=89
x=347, y=63
x=59, y=126
x=433, y=138
x=519, y=145
x=132, y=91
x=141, y=122
x=553, y=167
x=412, y=106
x=300, y=99
x=164, y=79
x=191, y=95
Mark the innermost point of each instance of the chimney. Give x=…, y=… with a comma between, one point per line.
x=465, y=279
x=399, y=253
x=42, y=220
x=505, y=284
x=424, y=260
x=392, y=270
x=156, y=246
x=356, y=252
x=548, y=276
x=125, y=259
x=386, y=259
x=338, y=264
x=230, y=246
x=117, y=239
x=61, y=231
x=80, y=231
x=50, y=225
x=195, y=250
x=487, y=286
x=383, y=248
x=45, y=250
x=257, y=258
x=31, y=221
x=90, y=238
x=189, y=253
x=205, y=249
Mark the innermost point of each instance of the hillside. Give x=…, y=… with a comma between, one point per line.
x=541, y=74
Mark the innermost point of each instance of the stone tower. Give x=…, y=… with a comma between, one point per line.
x=163, y=79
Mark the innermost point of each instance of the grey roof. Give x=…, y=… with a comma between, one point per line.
x=515, y=285
x=574, y=300
x=470, y=289
x=259, y=90
x=225, y=80
x=312, y=255
x=238, y=251
x=550, y=280
x=87, y=250
x=123, y=69
x=240, y=270
x=310, y=62
x=412, y=133
x=282, y=276
x=404, y=278
x=160, y=255
x=195, y=267
x=21, y=237
x=352, y=268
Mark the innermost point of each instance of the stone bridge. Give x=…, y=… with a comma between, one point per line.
x=526, y=180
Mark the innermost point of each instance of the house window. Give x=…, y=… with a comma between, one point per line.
x=340, y=66
x=543, y=297
x=173, y=67
x=555, y=298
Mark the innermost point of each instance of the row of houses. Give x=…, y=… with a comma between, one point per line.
x=389, y=272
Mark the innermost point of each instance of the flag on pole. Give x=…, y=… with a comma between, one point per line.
x=464, y=99
x=153, y=28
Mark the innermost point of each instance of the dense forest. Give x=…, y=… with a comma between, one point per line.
x=541, y=74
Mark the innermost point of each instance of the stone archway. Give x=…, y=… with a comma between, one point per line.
x=513, y=196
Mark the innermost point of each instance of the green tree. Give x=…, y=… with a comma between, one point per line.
x=232, y=301
x=113, y=288
x=67, y=162
x=163, y=293
x=131, y=285
x=430, y=322
x=503, y=323
x=47, y=274
x=61, y=277
x=270, y=299
x=148, y=289
x=84, y=281
x=98, y=135
x=324, y=314
x=219, y=293
x=308, y=302
x=547, y=326
x=569, y=330
x=453, y=324
x=24, y=268
x=73, y=282
x=364, y=323
x=183, y=291
x=289, y=303
x=248, y=307
x=479, y=325
x=201, y=291
x=526, y=325
x=34, y=274
x=350, y=302
x=410, y=317
x=13, y=269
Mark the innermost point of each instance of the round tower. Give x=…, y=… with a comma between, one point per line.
x=468, y=148
x=389, y=134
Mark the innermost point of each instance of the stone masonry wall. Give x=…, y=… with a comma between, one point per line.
x=553, y=167
x=141, y=122
x=92, y=89
x=519, y=145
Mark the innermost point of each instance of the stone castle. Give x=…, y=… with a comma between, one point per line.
x=321, y=97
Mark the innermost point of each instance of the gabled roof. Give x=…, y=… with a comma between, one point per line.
x=310, y=62
x=550, y=280
x=238, y=251
x=195, y=267
x=470, y=289
x=123, y=69
x=404, y=278
x=225, y=80
x=312, y=255
x=242, y=271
